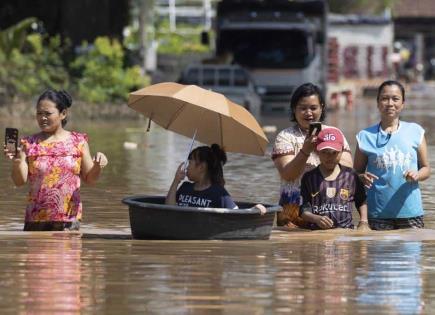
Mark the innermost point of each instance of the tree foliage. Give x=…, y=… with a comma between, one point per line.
x=14, y=37
x=186, y=39
x=102, y=76
x=30, y=63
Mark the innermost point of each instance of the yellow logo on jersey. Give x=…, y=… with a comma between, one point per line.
x=344, y=194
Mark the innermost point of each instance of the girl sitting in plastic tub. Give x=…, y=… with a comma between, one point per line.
x=206, y=189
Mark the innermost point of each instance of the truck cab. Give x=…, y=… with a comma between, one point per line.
x=281, y=43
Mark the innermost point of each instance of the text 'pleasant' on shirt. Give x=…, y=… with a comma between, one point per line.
x=214, y=196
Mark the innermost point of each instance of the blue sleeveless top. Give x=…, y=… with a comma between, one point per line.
x=389, y=156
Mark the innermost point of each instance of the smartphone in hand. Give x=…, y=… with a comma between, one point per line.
x=11, y=140
x=315, y=128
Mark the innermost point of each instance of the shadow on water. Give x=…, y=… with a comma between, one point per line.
x=102, y=270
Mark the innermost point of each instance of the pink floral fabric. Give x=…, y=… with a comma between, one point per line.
x=54, y=177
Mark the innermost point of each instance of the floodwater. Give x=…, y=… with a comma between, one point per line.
x=103, y=271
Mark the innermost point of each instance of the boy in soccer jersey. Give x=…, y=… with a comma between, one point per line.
x=329, y=190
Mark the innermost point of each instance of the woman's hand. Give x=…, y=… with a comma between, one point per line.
x=11, y=154
x=100, y=160
x=91, y=166
x=19, y=165
x=324, y=222
x=367, y=179
x=411, y=175
x=309, y=144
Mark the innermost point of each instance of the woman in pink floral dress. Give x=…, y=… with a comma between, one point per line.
x=54, y=161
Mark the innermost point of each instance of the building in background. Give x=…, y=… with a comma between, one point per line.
x=359, y=54
x=414, y=22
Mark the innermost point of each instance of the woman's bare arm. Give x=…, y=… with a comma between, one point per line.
x=291, y=167
x=424, y=169
x=20, y=169
x=91, y=167
x=346, y=159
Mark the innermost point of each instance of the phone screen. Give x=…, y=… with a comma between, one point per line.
x=11, y=140
x=315, y=128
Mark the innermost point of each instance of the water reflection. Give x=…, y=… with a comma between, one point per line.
x=41, y=276
x=64, y=273
x=52, y=275
x=392, y=277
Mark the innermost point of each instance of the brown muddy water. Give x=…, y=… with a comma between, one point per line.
x=103, y=271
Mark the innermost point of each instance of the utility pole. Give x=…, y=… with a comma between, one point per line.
x=172, y=16
x=207, y=14
x=146, y=34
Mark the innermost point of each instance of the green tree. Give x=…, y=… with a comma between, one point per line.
x=14, y=37
x=101, y=74
x=186, y=39
x=29, y=63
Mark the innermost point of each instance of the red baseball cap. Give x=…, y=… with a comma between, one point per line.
x=330, y=138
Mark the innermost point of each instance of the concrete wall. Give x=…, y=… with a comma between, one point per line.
x=363, y=50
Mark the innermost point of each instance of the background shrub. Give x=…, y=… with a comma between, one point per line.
x=30, y=63
x=101, y=73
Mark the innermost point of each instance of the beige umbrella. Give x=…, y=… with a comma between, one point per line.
x=189, y=109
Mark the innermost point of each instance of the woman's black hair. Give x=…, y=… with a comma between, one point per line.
x=215, y=157
x=389, y=83
x=61, y=98
x=305, y=90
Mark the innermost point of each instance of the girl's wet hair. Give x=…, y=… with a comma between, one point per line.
x=215, y=157
x=305, y=90
x=389, y=83
x=61, y=98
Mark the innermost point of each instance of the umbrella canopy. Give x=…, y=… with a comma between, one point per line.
x=185, y=109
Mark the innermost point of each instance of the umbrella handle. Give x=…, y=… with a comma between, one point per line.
x=149, y=124
x=190, y=150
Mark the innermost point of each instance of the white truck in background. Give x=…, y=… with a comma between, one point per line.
x=230, y=80
x=281, y=43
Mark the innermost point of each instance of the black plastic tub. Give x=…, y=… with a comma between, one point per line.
x=150, y=218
